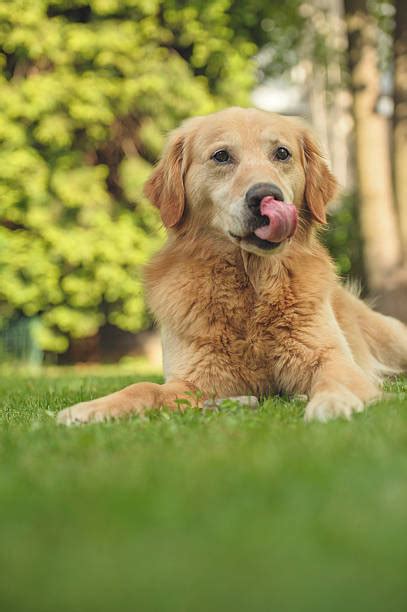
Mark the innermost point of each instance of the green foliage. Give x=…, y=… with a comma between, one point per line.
x=343, y=239
x=88, y=90
x=384, y=11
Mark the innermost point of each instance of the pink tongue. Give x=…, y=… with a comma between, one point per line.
x=282, y=218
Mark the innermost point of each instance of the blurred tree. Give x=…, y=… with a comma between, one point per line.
x=377, y=212
x=400, y=116
x=88, y=88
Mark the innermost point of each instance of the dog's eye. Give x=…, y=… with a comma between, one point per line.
x=222, y=156
x=282, y=154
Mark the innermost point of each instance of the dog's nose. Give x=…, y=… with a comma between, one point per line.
x=259, y=191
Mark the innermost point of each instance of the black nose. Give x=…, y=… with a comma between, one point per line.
x=259, y=191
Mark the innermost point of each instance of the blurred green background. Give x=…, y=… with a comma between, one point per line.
x=88, y=92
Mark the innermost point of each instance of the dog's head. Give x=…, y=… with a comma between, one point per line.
x=257, y=178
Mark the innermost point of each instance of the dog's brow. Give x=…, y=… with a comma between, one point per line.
x=220, y=144
x=269, y=138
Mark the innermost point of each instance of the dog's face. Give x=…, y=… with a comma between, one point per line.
x=247, y=174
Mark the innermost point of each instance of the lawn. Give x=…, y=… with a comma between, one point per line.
x=216, y=511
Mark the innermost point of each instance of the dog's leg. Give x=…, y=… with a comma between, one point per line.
x=134, y=399
x=387, y=339
x=339, y=389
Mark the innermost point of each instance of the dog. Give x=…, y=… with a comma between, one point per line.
x=246, y=297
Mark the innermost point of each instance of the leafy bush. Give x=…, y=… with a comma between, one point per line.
x=88, y=90
x=343, y=239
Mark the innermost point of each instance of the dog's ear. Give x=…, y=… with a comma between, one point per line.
x=320, y=183
x=165, y=187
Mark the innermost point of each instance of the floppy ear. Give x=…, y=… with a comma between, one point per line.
x=320, y=183
x=165, y=187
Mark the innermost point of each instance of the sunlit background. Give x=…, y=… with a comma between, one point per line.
x=88, y=92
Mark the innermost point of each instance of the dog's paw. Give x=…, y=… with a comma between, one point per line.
x=85, y=412
x=328, y=405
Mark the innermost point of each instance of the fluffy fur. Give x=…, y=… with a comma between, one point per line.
x=237, y=319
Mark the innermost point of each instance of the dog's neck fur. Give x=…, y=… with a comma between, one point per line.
x=206, y=264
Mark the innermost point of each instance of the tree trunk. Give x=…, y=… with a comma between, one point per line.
x=382, y=249
x=400, y=118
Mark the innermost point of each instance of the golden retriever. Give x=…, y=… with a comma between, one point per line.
x=246, y=297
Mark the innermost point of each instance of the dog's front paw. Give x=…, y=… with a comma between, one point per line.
x=85, y=412
x=327, y=405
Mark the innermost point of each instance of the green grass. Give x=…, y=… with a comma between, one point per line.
x=216, y=511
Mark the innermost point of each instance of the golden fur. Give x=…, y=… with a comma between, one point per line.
x=236, y=320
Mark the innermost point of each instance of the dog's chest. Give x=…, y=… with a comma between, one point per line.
x=249, y=319
x=230, y=334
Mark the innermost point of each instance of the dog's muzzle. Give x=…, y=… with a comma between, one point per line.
x=274, y=219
